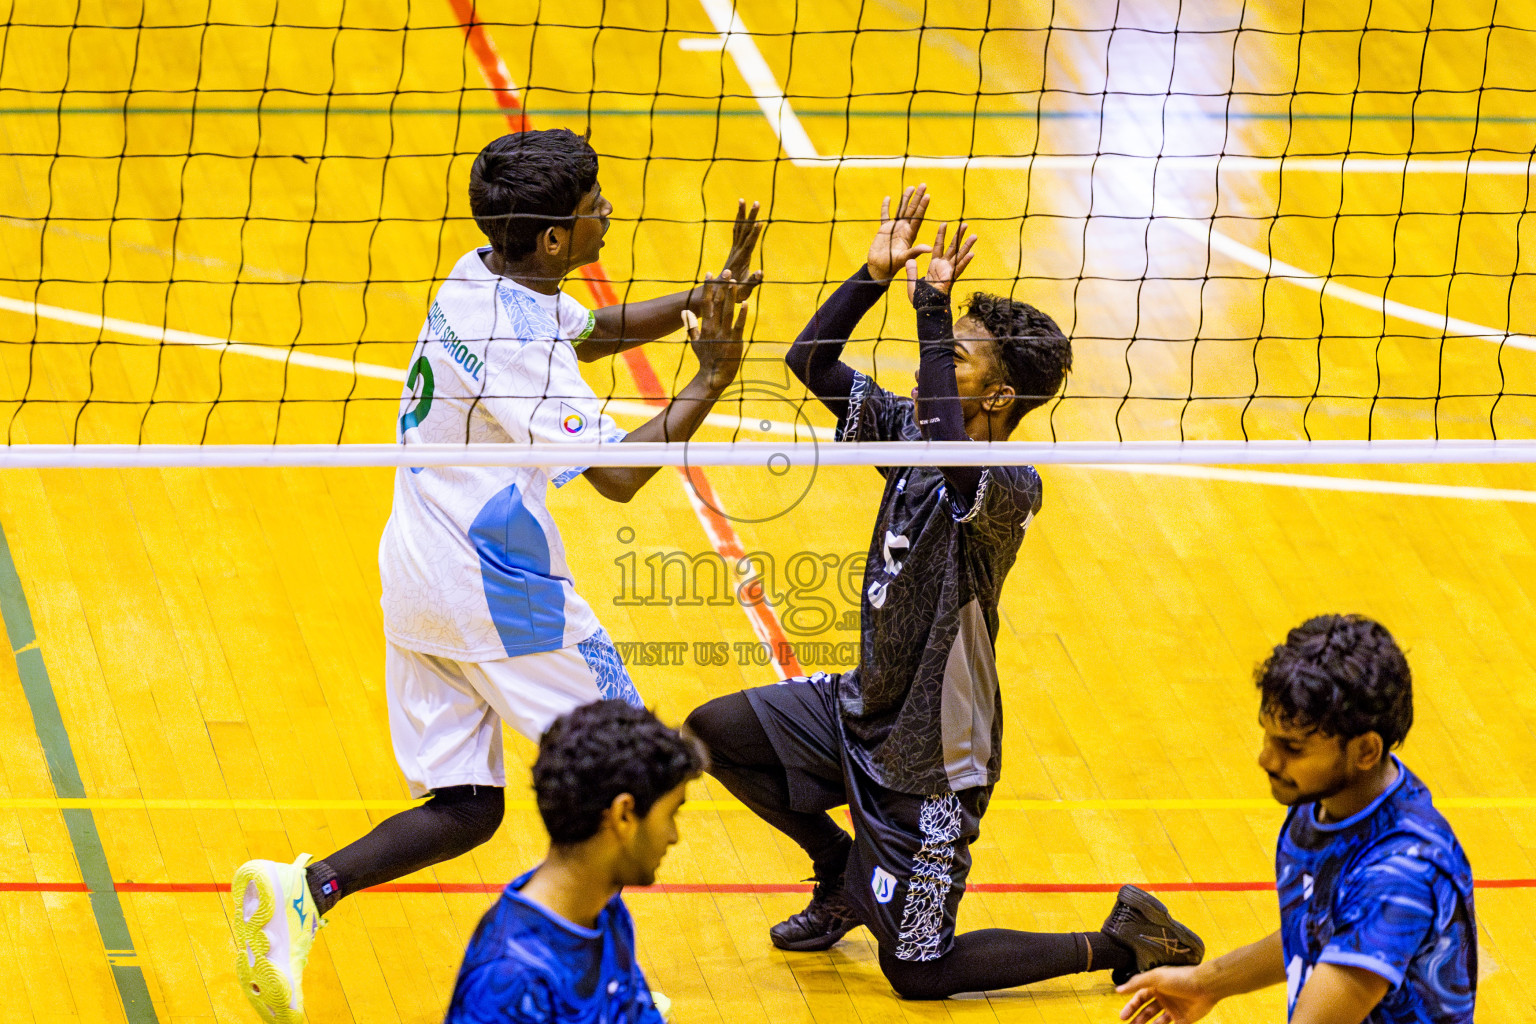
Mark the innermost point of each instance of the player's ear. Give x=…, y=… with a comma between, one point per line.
x=552, y=240
x=999, y=398
x=622, y=817
x=1366, y=751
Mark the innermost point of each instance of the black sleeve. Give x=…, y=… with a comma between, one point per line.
x=814, y=355
x=938, y=398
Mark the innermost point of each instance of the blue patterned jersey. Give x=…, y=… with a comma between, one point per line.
x=1388, y=890
x=525, y=965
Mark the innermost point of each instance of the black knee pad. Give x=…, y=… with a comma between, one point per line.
x=475, y=811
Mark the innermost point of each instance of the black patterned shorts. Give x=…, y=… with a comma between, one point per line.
x=911, y=853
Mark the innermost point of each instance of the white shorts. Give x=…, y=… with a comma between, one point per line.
x=445, y=716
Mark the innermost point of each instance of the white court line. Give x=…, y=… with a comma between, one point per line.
x=798, y=146
x=1171, y=162
x=1201, y=231
x=749, y=424
x=1323, y=483
x=133, y=329
x=738, y=42
x=760, y=79
x=288, y=357
x=767, y=453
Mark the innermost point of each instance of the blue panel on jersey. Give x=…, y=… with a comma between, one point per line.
x=527, y=604
x=529, y=321
x=607, y=667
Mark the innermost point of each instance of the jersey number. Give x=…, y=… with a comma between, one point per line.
x=421, y=370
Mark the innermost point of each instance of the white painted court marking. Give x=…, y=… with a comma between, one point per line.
x=289, y=357
x=1176, y=162
x=1201, y=231
x=760, y=79
x=797, y=144
x=1322, y=483
x=738, y=423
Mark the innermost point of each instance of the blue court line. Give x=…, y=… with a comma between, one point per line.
x=707, y=112
x=81, y=822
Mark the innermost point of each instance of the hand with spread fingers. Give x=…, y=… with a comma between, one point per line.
x=946, y=263
x=744, y=236
x=1167, y=995
x=894, y=242
x=716, y=337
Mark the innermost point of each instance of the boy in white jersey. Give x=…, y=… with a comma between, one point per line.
x=482, y=622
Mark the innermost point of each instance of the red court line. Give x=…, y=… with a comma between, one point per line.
x=722, y=535
x=720, y=888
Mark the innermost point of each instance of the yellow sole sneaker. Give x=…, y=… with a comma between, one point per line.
x=274, y=930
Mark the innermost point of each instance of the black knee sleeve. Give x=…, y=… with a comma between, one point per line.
x=709, y=722
x=469, y=815
x=730, y=731
x=915, y=979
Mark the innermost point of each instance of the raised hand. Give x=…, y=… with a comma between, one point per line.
x=1167, y=995
x=946, y=263
x=893, y=245
x=716, y=339
x=744, y=236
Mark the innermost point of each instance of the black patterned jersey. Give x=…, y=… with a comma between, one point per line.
x=921, y=712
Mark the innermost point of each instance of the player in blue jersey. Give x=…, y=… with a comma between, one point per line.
x=1376, y=918
x=559, y=944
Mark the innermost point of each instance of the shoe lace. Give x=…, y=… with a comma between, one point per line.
x=1122, y=914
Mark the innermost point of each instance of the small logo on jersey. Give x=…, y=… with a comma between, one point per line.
x=572, y=422
x=1306, y=887
x=883, y=885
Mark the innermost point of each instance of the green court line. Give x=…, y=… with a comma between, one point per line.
x=80, y=821
x=980, y=115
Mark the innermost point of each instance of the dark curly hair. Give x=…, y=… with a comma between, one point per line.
x=1032, y=352
x=1342, y=675
x=591, y=755
x=525, y=183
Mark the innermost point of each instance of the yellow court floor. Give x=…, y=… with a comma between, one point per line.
x=198, y=662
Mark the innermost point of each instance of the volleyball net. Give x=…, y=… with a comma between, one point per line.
x=1272, y=236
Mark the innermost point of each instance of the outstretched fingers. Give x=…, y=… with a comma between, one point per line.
x=745, y=222
x=963, y=258
x=953, y=252
x=1145, y=1009
x=914, y=203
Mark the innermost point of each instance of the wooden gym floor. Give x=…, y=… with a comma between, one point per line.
x=197, y=677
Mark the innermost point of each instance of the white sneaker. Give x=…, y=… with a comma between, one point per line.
x=663, y=1005
x=276, y=927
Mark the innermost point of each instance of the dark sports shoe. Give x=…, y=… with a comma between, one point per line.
x=1143, y=925
x=826, y=919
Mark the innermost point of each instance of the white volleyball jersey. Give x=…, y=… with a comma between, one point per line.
x=472, y=565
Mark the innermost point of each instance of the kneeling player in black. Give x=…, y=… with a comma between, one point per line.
x=910, y=739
